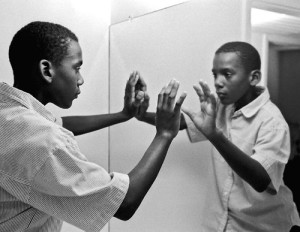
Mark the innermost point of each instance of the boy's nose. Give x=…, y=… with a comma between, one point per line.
x=218, y=82
x=80, y=80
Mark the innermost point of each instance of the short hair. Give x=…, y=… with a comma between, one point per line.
x=249, y=56
x=34, y=42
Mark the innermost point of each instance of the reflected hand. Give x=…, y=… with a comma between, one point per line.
x=141, y=98
x=134, y=95
x=144, y=105
x=205, y=118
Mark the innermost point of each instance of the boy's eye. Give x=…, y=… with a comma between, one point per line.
x=227, y=74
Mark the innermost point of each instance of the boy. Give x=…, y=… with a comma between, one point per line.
x=251, y=147
x=45, y=179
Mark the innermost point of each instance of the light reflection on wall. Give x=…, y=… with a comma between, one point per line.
x=259, y=16
x=124, y=9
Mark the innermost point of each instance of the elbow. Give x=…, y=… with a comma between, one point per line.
x=260, y=189
x=262, y=186
x=126, y=214
x=126, y=210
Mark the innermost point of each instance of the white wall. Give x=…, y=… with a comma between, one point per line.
x=89, y=20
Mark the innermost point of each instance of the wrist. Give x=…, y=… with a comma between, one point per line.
x=125, y=115
x=164, y=135
x=216, y=135
x=141, y=117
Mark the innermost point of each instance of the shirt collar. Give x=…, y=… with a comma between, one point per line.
x=18, y=96
x=253, y=107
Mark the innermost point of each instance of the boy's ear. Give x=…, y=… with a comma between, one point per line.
x=255, y=77
x=46, y=71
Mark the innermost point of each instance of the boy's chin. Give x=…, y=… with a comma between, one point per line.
x=65, y=105
x=225, y=102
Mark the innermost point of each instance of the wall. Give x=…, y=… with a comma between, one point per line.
x=89, y=20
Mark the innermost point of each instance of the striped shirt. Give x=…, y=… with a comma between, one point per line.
x=44, y=178
x=231, y=204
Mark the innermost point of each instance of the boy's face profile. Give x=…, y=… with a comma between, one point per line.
x=232, y=82
x=67, y=78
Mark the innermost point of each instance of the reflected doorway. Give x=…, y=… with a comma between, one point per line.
x=277, y=33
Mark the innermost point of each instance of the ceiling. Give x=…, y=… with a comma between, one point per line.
x=277, y=25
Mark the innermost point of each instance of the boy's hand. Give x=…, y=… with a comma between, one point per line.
x=143, y=107
x=205, y=119
x=168, y=113
x=141, y=92
x=135, y=95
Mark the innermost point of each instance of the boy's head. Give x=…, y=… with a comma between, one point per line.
x=38, y=54
x=248, y=55
x=236, y=69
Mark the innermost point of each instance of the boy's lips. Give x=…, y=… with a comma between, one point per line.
x=78, y=92
x=221, y=94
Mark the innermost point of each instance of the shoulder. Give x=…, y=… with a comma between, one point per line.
x=271, y=117
x=27, y=128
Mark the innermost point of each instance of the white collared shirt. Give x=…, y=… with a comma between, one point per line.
x=261, y=132
x=44, y=178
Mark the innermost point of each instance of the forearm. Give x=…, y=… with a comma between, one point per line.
x=85, y=124
x=247, y=168
x=149, y=118
x=143, y=176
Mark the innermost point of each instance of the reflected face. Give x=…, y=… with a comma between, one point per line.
x=67, y=78
x=232, y=82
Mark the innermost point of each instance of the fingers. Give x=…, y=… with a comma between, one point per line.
x=203, y=91
x=130, y=85
x=205, y=87
x=174, y=90
x=167, y=95
x=143, y=106
x=199, y=92
x=170, y=93
x=139, y=98
x=146, y=100
x=179, y=102
x=133, y=78
x=136, y=82
x=141, y=84
x=213, y=99
x=160, y=98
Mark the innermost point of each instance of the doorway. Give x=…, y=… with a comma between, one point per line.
x=277, y=33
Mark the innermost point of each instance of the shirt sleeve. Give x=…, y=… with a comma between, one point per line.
x=59, y=121
x=193, y=133
x=272, y=151
x=77, y=191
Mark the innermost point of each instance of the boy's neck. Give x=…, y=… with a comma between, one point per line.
x=34, y=92
x=247, y=98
